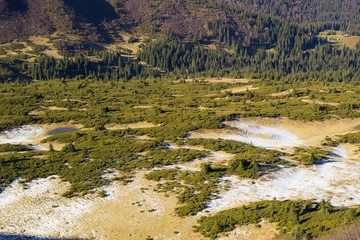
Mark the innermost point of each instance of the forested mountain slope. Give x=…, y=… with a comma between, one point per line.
x=23, y=18
x=341, y=15
x=100, y=20
x=176, y=39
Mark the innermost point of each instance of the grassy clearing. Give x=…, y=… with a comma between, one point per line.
x=340, y=39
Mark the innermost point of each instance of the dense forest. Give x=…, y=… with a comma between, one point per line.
x=337, y=15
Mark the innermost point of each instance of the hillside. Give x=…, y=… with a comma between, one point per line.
x=23, y=18
x=332, y=14
x=101, y=20
x=98, y=20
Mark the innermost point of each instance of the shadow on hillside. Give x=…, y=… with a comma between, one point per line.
x=16, y=5
x=94, y=11
x=24, y=237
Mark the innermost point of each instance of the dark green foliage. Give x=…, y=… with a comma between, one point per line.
x=194, y=189
x=309, y=156
x=15, y=46
x=68, y=148
x=157, y=175
x=132, y=39
x=290, y=60
x=51, y=148
x=102, y=193
x=7, y=147
x=111, y=66
x=318, y=14
x=350, y=138
x=244, y=168
x=174, y=156
x=2, y=51
x=329, y=142
x=206, y=168
x=296, y=219
x=243, y=151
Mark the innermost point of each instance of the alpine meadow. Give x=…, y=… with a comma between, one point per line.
x=180, y=119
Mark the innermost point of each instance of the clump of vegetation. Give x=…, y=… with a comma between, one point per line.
x=329, y=142
x=7, y=147
x=353, y=138
x=102, y=193
x=309, y=156
x=2, y=51
x=296, y=219
x=246, y=152
x=132, y=39
x=35, y=48
x=194, y=189
x=244, y=168
x=15, y=46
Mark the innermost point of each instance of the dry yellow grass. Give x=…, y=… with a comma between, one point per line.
x=57, y=108
x=142, y=106
x=282, y=93
x=127, y=215
x=340, y=39
x=130, y=125
x=312, y=133
x=65, y=109
x=133, y=47
x=265, y=231
x=320, y=102
x=37, y=112
x=50, y=49
x=241, y=89
x=223, y=80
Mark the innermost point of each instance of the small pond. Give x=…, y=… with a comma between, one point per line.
x=61, y=130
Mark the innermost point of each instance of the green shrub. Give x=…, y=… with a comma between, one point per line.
x=7, y=147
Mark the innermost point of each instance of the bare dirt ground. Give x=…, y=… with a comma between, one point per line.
x=57, y=108
x=143, y=106
x=282, y=93
x=229, y=80
x=320, y=102
x=223, y=80
x=37, y=112
x=263, y=231
x=130, y=125
x=241, y=89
